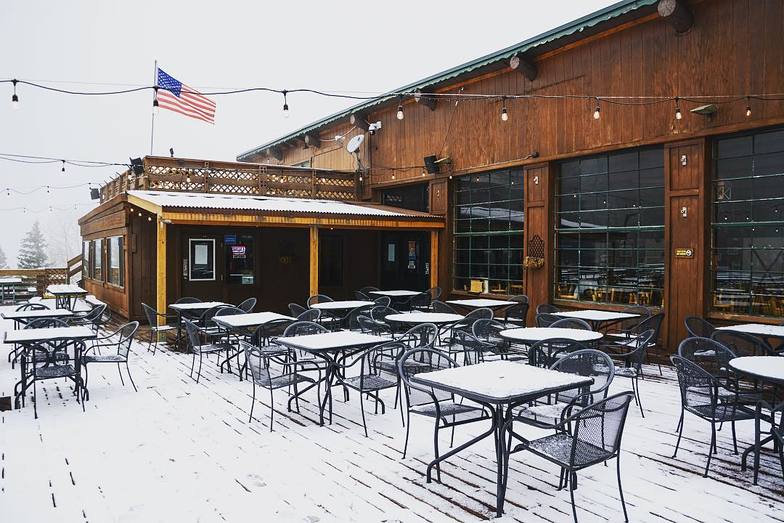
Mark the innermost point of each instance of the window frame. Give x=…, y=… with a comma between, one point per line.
x=207, y=241
x=121, y=260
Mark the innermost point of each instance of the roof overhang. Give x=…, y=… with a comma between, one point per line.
x=242, y=210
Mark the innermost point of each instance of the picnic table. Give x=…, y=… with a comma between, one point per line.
x=329, y=346
x=500, y=387
x=65, y=295
x=9, y=283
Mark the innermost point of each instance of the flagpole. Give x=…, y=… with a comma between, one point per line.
x=152, y=125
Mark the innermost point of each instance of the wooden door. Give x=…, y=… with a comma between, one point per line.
x=686, y=213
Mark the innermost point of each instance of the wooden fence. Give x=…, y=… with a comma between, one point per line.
x=35, y=281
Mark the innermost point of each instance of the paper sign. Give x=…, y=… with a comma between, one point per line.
x=200, y=254
x=238, y=251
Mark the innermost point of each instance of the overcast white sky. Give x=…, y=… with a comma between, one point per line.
x=345, y=46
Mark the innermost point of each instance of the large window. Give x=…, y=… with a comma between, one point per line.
x=116, y=260
x=747, y=259
x=414, y=197
x=85, y=259
x=97, y=260
x=488, y=237
x=610, y=228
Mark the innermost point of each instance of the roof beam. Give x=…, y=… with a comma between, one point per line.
x=424, y=98
x=525, y=65
x=359, y=120
x=276, y=153
x=312, y=140
x=677, y=14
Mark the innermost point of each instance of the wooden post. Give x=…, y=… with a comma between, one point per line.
x=433, y=258
x=314, y=260
x=160, y=269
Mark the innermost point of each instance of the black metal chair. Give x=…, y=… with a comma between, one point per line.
x=120, y=340
x=318, y=298
x=156, y=326
x=515, y=316
x=288, y=375
x=467, y=323
x=546, y=308
x=349, y=321
x=313, y=315
x=743, y=344
x=369, y=326
x=587, y=437
x=247, y=305
x=418, y=302
x=442, y=407
x=487, y=330
x=200, y=343
x=379, y=315
x=361, y=296
x=699, y=327
x=653, y=322
x=631, y=353
x=372, y=378
x=570, y=323
x=545, y=319
x=544, y=353
x=382, y=301
x=92, y=318
x=13, y=355
x=296, y=309
x=443, y=308
x=471, y=349
x=368, y=289
x=700, y=396
x=38, y=353
x=51, y=360
x=584, y=362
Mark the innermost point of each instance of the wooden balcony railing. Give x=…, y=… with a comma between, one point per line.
x=185, y=175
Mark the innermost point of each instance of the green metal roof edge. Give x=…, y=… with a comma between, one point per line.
x=570, y=28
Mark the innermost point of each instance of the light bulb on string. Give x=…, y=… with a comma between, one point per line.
x=155, y=106
x=678, y=114
x=504, y=112
x=15, y=97
x=400, y=114
x=748, y=107
x=62, y=169
x=285, y=105
x=597, y=113
x=47, y=189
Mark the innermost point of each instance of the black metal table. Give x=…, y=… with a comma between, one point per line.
x=65, y=295
x=193, y=308
x=242, y=324
x=500, y=387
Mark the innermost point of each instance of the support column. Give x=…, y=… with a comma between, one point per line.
x=160, y=268
x=314, y=260
x=537, y=245
x=433, y=258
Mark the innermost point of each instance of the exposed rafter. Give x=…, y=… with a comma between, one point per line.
x=677, y=14
x=526, y=66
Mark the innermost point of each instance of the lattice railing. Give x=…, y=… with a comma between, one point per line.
x=182, y=175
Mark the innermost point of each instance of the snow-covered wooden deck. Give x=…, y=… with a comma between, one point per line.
x=182, y=451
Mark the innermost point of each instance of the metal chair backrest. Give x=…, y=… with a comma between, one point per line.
x=361, y=296
x=318, y=298
x=599, y=426
x=518, y=313
x=309, y=315
x=382, y=301
x=206, y=317
x=639, y=344
x=427, y=360
x=366, y=324
x=247, y=305
x=698, y=388
x=46, y=323
x=380, y=313
x=257, y=364
x=303, y=328
x=368, y=289
x=698, y=327
x=272, y=329
x=151, y=315
x=545, y=319
x=32, y=307
x=434, y=292
x=229, y=311
x=710, y=355
x=388, y=352
x=126, y=333
x=546, y=308
x=94, y=315
x=570, y=323
x=421, y=336
x=544, y=353
x=486, y=328
x=587, y=362
x=519, y=298
x=192, y=332
x=187, y=299
x=743, y=344
x=472, y=348
x=441, y=307
x=296, y=309
x=351, y=317
x=654, y=323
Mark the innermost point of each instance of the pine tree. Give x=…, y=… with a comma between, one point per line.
x=3, y=260
x=32, y=252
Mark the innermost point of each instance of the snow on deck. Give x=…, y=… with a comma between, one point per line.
x=182, y=451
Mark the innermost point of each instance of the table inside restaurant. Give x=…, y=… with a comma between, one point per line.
x=65, y=295
x=598, y=318
x=499, y=386
x=768, y=369
x=39, y=338
x=329, y=346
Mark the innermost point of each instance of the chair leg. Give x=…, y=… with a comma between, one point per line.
x=710, y=449
x=757, y=448
x=408, y=429
x=639, y=399
x=35, y=396
x=399, y=395
x=572, y=486
x=119, y=371
x=193, y=362
x=198, y=373
x=272, y=409
x=149, y=343
x=86, y=393
x=362, y=408
x=680, y=420
x=252, y=402
x=435, y=448
x=734, y=439
x=680, y=433
x=128, y=370
x=620, y=487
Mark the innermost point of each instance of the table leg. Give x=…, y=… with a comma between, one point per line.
x=776, y=436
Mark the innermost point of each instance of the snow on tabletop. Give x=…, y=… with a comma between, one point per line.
x=250, y=319
x=331, y=340
x=344, y=304
x=51, y=333
x=501, y=380
x=48, y=313
x=757, y=329
x=425, y=317
x=763, y=366
x=61, y=288
x=196, y=306
x=10, y=279
x=399, y=293
x=481, y=302
x=533, y=334
x=597, y=315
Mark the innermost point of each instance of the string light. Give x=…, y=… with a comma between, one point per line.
x=400, y=114
x=285, y=105
x=748, y=107
x=504, y=113
x=678, y=114
x=62, y=169
x=155, y=106
x=15, y=97
x=597, y=113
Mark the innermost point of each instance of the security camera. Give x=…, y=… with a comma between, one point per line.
x=372, y=128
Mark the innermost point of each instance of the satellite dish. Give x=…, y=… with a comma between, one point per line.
x=354, y=143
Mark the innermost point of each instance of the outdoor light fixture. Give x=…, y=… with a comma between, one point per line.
x=597, y=113
x=285, y=105
x=62, y=169
x=400, y=114
x=14, y=97
x=155, y=106
x=137, y=166
x=748, y=107
x=678, y=114
x=504, y=113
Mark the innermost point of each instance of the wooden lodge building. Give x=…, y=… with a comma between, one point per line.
x=598, y=188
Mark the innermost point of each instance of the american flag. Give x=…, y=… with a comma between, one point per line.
x=176, y=96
